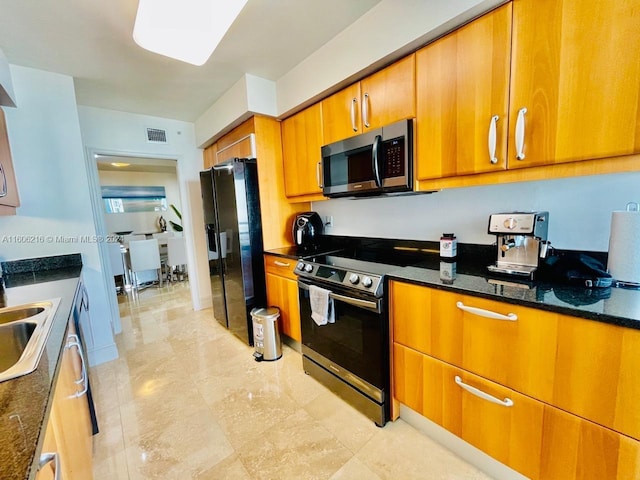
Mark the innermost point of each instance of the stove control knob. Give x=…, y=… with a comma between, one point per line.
x=308, y=267
x=300, y=266
x=367, y=282
x=354, y=278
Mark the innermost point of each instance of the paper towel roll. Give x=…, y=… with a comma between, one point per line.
x=624, y=245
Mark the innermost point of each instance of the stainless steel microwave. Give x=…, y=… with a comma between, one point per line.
x=379, y=161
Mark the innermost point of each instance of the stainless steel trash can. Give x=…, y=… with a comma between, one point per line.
x=266, y=336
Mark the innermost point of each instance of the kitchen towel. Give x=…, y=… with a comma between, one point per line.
x=624, y=245
x=321, y=305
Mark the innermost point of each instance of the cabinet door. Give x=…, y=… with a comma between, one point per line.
x=575, y=69
x=72, y=423
x=462, y=99
x=597, y=373
x=388, y=96
x=341, y=115
x=301, y=143
x=283, y=293
x=8, y=188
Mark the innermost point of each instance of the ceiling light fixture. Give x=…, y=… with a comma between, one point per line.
x=120, y=164
x=187, y=30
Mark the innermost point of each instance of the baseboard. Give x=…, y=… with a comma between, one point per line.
x=205, y=302
x=464, y=450
x=102, y=354
x=294, y=344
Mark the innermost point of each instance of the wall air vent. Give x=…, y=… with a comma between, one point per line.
x=155, y=135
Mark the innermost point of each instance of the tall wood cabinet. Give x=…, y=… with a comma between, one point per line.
x=518, y=383
x=377, y=100
x=9, y=199
x=277, y=212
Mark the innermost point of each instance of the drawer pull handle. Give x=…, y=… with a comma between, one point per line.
x=51, y=457
x=511, y=317
x=507, y=402
x=281, y=264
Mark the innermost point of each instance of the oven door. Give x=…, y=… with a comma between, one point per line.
x=355, y=347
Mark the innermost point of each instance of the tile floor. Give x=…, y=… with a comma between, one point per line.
x=186, y=400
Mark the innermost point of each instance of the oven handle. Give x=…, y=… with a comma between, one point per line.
x=356, y=302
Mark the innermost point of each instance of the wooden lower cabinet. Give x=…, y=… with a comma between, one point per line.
x=532, y=437
x=69, y=429
x=585, y=367
x=282, y=292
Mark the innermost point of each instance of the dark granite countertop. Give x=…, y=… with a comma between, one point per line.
x=618, y=306
x=25, y=402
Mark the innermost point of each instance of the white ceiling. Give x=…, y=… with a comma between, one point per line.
x=91, y=41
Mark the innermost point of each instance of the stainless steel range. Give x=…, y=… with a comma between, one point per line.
x=349, y=355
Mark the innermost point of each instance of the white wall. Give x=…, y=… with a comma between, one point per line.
x=142, y=222
x=389, y=30
x=44, y=135
x=113, y=132
x=579, y=211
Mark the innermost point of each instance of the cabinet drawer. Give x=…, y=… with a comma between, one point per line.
x=510, y=432
x=536, y=439
x=280, y=266
x=509, y=344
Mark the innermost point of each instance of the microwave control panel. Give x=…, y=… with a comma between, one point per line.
x=394, y=157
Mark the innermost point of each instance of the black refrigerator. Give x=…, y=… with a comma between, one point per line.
x=233, y=226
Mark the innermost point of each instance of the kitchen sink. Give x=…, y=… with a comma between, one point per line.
x=24, y=330
x=8, y=315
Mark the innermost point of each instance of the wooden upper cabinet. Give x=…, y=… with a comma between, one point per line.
x=301, y=143
x=9, y=199
x=462, y=95
x=575, y=70
x=380, y=99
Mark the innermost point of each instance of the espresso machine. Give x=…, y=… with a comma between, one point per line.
x=521, y=241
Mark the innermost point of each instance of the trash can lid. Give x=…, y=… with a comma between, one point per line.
x=268, y=313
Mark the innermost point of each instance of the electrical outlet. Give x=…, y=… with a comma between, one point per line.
x=328, y=221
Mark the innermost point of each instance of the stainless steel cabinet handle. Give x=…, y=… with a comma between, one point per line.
x=281, y=264
x=507, y=402
x=49, y=457
x=492, y=139
x=365, y=110
x=481, y=312
x=520, y=134
x=4, y=190
x=354, y=102
x=84, y=379
x=319, y=175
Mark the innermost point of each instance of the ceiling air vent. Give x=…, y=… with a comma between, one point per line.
x=155, y=135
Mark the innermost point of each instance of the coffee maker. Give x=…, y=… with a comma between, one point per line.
x=521, y=241
x=307, y=228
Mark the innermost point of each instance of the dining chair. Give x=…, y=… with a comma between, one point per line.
x=176, y=257
x=132, y=237
x=117, y=264
x=145, y=255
